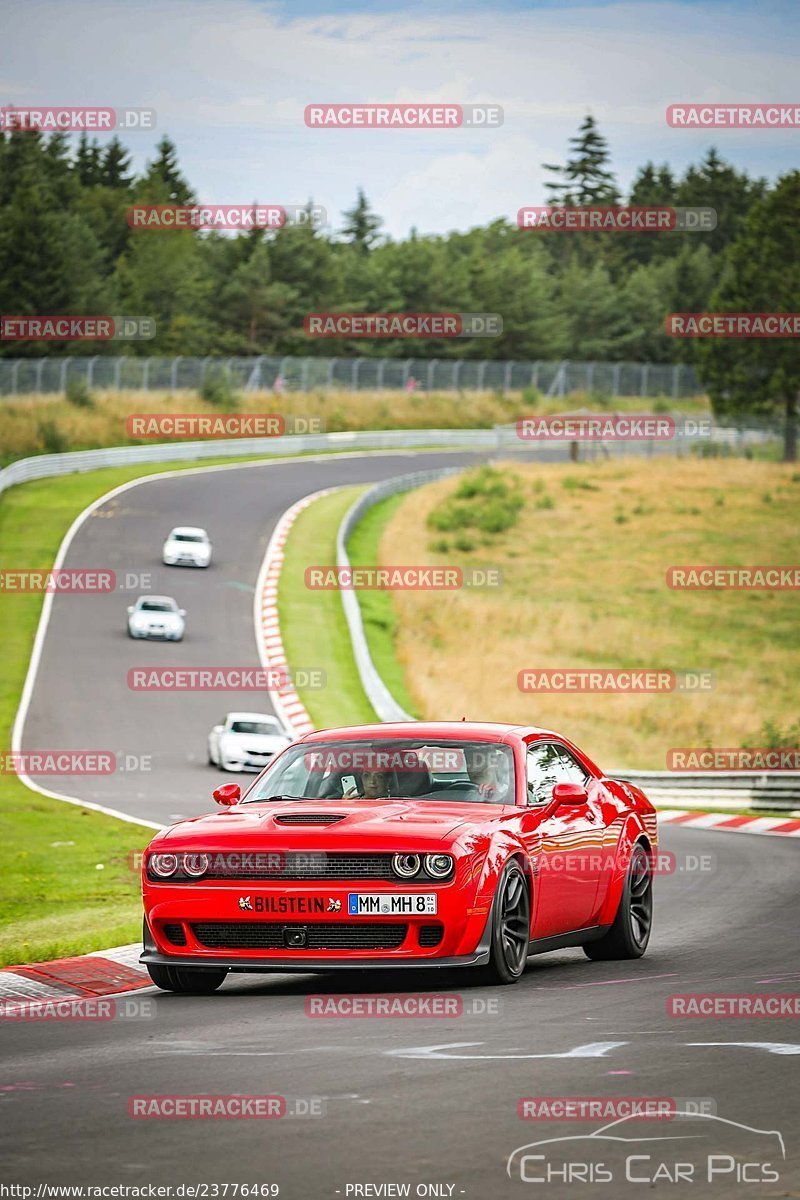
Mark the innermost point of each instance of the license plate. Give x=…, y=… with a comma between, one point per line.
x=391, y=904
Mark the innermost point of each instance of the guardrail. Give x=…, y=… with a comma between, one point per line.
x=501, y=438
x=759, y=791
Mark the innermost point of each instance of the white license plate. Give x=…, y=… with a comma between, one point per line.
x=391, y=904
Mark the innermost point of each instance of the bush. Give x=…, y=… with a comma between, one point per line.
x=77, y=393
x=484, y=499
x=51, y=439
x=574, y=484
x=217, y=389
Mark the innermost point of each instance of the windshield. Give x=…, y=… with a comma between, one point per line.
x=156, y=606
x=253, y=727
x=373, y=769
x=188, y=537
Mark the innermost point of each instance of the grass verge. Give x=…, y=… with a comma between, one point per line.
x=313, y=626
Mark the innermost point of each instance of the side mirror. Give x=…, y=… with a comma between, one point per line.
x=569, y=793
x=218, y=729
x=229, y=793
x=182, y=612
x=130, y=609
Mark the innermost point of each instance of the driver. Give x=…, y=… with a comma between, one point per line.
x=374, y=786
x=482, y=771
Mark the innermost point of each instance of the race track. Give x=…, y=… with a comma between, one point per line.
x=406, y=1101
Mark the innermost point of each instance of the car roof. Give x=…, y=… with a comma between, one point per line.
x=251, y=716
x=492, y=731
x=187, y=529
x=164, y=599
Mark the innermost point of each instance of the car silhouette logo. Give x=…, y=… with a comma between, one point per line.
x=246, y=903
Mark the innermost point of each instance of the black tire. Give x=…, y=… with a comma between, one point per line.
x=511, y=923
x=198, y=981
x=630, y=933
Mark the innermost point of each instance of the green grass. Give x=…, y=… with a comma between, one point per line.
x=313, y=626
x=377, y=608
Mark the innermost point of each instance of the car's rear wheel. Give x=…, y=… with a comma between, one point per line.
x=630, y=933
x=511, y=924
x=191, y=980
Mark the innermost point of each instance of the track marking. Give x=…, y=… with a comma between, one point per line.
x=589, y=1050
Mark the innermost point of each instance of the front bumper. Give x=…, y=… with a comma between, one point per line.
x=315, y=964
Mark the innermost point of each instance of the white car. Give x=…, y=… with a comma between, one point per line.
x=187, y=547
x=246, y=741
x=156, y=617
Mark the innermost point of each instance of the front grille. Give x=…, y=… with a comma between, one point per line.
x=258, y=753
x=430, y=935
x=175, y=934
x=310, y=818
x=296, y=864
x=264, y=935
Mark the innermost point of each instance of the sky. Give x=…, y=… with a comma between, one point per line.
x=230, y=80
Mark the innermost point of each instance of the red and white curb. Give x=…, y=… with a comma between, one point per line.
x=105, y=973
x=724, y=822
x=286, y=701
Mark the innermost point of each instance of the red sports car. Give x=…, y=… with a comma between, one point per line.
x=408, y=845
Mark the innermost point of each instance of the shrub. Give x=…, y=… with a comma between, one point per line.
x=51, y=439
x=484, y=499
x=77, y=393
x=217, y=389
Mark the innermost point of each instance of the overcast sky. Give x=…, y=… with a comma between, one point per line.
x=230, y=80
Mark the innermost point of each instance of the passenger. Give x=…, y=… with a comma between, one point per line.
x=374, y=786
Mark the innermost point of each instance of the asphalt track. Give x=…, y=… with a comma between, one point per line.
x=426, y=1101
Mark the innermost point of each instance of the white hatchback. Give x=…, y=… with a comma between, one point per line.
x=187, y=546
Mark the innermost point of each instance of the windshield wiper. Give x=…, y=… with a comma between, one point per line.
x=271, y=799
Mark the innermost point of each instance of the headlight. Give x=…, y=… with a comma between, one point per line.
x=163, y=865
x=194, y=865
x=438, y=866
x=406, y=865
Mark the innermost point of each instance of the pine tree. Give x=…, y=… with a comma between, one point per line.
x=163, y=175
x=585, y=178
x=115, y=164
x=361, y=224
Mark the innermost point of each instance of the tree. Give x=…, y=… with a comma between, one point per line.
x=164, y=175
x=115, y=165
x=87, y=161
x=759, y=376
x=361, y=224
x=715, y=184
x=585, y=179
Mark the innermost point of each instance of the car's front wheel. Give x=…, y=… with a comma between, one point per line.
x=511, y=925
x=191, y=980
x=630, y=933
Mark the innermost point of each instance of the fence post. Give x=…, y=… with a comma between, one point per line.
x=304, y=375
x=481, y=373
x=676, y=370
x=615, y=380
x=381, y=369
x=90, y=371
x=354, y=374
x=146, y=375
x=331, y=365
x=457, y=373
x=117, y=372
x=507, y=376
x=173, y=376
x=645, y=378
x=14, y=376
x=62, y=379
x=39, y=369
x=431, y=368
x=590, y=377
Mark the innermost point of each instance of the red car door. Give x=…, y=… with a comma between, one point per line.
x=570, y=842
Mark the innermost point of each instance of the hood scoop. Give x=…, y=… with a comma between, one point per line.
x=309, y=818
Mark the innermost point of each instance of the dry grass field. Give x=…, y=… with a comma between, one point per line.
x=50, y=424
x=584, y=586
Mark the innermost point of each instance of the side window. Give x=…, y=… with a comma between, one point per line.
x=542, y=767
x=570, y=770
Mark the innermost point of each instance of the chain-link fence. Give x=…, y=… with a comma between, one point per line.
x=19, y=376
